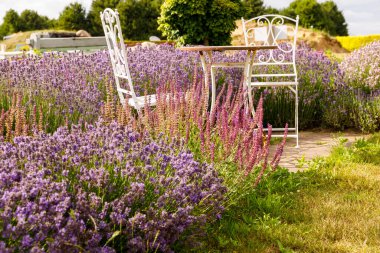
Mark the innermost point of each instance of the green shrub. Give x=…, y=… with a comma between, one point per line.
x=199, y=21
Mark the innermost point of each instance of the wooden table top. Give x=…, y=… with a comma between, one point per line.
x=225, y=48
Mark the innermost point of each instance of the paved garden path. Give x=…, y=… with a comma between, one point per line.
x=312, y=144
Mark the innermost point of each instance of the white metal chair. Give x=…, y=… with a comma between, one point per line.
x=280, y=31
x=118, y=56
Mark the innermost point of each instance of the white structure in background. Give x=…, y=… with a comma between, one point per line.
x=280, y=31
x=43, y=41
x=4, y=54
x=154, y=38
x=118, y=55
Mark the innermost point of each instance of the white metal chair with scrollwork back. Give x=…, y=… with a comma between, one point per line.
x=273, y=68
x=119, y=61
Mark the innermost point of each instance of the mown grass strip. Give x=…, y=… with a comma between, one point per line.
x=332, y=207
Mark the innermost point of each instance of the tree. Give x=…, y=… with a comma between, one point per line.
x=253, y=8
x=309, y=11
x=11, y=23
x=97, y=6
x=271, y=10
x=138, y=18
x=336, y=23
x=73, y=17
x=208, y=22
x=30, y=20
x=325, y=16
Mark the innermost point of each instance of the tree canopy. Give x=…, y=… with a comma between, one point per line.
x=336, y=24
x=11, y=23
x=188, y=21
x=253, y=8
x=325, y=16
x=138, y=18
x=97, y=6
x=73, y=17
x=208, y=22
x=31, y=20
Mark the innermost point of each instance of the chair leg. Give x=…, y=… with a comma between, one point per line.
x=250, y=100
x=121, y=95
x=247, y=85
x=296, y=116
x=213, y=88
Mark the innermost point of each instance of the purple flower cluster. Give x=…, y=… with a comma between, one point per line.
x=102, y=189
x=72, y=82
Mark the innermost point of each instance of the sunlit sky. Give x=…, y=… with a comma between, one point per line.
x=360, y=14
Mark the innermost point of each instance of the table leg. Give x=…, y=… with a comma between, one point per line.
x=248, y=98
x=206, y=74
x=213, y=82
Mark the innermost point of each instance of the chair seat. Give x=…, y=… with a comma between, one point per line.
x=151, y=100
x=263, y=84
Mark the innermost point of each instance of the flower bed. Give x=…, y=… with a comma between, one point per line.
x=103, y=189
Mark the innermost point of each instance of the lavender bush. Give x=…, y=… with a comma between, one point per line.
x=362, y=67
x=357, y=103
x=105, y=189
x=64, y=86
x=72, y=86
x=226, y=135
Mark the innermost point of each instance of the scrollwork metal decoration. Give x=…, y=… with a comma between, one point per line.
x=117, y=51
x=271, y=30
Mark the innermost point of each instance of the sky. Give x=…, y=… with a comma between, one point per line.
x=360, y=14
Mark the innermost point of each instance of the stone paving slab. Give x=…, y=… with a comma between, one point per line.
x=312, y=144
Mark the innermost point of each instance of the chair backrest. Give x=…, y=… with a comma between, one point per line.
x=117, y=51
x=273, y=30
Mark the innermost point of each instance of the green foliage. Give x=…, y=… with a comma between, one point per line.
x=208, y=22
x=97, y=6
x=138, y=18
x=325, y=16
x=30, y=20
x=11, y=23
x=271, y=10
x=309, y=11
x=73, y=17
x=352, y=43
x=336, y=23
x=367, y=150
x=253, y=8
x=310, y=211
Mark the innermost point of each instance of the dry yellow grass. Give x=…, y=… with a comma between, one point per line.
x=315, y=39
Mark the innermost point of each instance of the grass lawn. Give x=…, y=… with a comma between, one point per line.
x=332, y=207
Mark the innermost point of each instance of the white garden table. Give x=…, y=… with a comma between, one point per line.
x=247, y=64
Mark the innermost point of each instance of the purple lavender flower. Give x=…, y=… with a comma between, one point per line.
x=55, y=197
